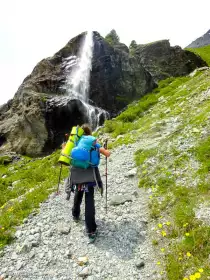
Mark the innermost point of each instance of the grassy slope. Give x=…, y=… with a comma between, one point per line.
x=203, y=52
x=23, y=185
x=172, y=128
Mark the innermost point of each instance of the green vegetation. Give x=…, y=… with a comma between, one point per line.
x=203, y=154
x=171, y=126
x=132, y=47
x=203, y=52
x=23, y=186
x=112, y=38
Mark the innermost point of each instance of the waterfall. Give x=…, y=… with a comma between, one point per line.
x=78, y=80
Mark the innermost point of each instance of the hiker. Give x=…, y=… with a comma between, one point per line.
x=84, y=181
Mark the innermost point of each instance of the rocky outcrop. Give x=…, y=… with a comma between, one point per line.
x=41, y=112
x=163, y=61
x=201, y=41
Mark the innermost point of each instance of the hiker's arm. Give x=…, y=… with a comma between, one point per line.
x=104, y=152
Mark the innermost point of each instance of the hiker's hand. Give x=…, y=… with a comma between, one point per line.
x=104, y=152
x=63, y=145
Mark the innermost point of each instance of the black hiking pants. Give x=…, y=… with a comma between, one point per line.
x=89, y=208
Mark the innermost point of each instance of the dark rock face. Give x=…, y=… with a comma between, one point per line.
x=201, y=41
x=41, y=112
x=60, y=115
x=116, y=78
x=163, y=61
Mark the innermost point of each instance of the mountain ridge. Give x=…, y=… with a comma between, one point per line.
x=202, y=41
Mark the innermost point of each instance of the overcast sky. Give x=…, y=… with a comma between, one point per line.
x=31, y=30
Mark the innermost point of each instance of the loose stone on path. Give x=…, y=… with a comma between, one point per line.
x=49, y=244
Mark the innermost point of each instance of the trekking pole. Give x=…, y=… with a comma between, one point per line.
x=59, y=178
x=105, y=146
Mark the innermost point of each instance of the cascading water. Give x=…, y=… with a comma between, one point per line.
x=78, y=81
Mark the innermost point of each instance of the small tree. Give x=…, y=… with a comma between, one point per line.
x=133, y=44
x=112, y=38
x=132, y=47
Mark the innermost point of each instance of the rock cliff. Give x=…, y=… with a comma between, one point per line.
x=41, y=112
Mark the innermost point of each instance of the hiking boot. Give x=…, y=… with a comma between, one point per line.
x=76, y=219
x=92, y=236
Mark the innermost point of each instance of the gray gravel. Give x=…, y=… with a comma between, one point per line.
x=49, y=244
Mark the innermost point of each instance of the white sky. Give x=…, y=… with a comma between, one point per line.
x=31, y=30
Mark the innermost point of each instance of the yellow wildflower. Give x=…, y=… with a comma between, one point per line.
x=192, y=277
x=162, y=249
x=188, y=254
x=187, y=234
x=160, y=225
x=168, y=223
x=180, y=258
x=2, y=228
x=185, y=278
x=184, y=225
x=197, y=275
x=158, y=263
x=163, y=233
x=200, y=270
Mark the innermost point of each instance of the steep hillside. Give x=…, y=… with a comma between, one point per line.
x=203, y=52
x=171, y=128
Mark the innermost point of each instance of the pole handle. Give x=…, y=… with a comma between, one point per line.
x=105, y=144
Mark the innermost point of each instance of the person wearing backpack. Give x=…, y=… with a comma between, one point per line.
x=85, y=176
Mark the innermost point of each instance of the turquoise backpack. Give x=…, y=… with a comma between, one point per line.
x=86, y=153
